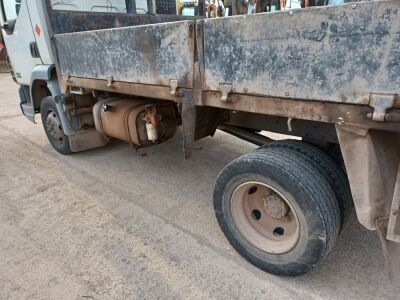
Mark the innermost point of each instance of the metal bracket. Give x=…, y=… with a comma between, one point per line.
x=173, y=83
x=110, y=80
x=68, y=77
x=380, y=103
x=78, y=90
x=225, y=89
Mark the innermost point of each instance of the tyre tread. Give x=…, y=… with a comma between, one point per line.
x=329, y=168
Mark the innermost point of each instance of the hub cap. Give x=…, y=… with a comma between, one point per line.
x=54, y=128
x=265, y=217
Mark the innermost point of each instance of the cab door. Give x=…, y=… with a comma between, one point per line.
x=19, y=37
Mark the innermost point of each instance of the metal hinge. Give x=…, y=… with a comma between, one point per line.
x=110, y=80
x=68, y=77
x=380, y=103
x=173, y=83
x=225, y=89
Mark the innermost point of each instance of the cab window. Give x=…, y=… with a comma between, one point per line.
x=10, y=9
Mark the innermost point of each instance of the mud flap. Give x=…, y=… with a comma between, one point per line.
x=373, y=166
x=391, y=250
x=26, y=103
x=87, y=139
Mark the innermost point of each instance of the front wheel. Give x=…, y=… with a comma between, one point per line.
x=277, y=210
x=52, y=126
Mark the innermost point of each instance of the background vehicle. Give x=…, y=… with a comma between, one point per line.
x=188, y=8
x=333, y=81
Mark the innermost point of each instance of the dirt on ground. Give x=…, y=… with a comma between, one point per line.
x=3, y=62
x=3, y=66
x=113, y=223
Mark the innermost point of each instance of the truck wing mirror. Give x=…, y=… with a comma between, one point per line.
x=9, y=26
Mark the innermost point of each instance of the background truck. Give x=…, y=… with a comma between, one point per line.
x=329, y=75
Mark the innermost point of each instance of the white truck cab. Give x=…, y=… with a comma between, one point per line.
x=28, y=43
x=21, y=39
x=25, y=34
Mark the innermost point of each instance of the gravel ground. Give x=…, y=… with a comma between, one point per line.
x=113, y=223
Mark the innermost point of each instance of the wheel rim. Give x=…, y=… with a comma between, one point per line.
x=265, y=217
x=54, y=128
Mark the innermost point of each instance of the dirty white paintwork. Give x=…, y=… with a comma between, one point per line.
x=17, y=45
x=32, y=15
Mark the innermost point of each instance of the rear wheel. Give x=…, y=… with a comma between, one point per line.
x=328, y=168
x=53, y=127
x=277, y=210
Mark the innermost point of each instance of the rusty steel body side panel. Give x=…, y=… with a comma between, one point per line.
x=328, y=112
x=148, y=54
x=127, y=88
x=331, y=54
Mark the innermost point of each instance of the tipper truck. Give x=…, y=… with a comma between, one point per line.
x=328, y=75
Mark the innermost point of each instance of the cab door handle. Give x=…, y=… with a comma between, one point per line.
x=33, y=47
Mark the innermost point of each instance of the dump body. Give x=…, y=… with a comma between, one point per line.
x=338, y=54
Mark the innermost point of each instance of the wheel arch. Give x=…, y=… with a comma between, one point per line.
x=39, y=88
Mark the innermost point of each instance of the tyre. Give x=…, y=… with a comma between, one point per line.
x=329, y=168
x=52, y=126
x=277, y=210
